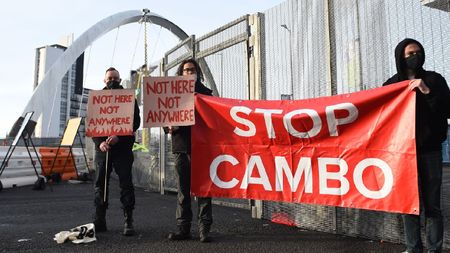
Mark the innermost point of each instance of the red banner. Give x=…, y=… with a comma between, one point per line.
x=354, y=150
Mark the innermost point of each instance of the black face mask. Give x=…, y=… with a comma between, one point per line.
x=113, y=84
x=414, y=62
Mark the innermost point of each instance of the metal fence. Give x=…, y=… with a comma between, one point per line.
x=305, y=49
x=222, y=55
x=318, y=48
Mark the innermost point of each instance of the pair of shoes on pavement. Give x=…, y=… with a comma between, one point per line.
x=100, y=226
x=180, y=235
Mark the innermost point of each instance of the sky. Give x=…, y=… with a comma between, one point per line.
x=27, y=25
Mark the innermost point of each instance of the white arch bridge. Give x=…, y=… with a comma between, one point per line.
x=50, y=85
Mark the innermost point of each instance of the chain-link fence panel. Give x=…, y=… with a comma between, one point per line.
x=146, y=166
x=222, y=55
x=295, y=51
x=224, y=52
x=229, y=69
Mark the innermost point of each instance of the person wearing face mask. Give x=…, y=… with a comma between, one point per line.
x=181, y=148
x=120, y=158
x=432, y=112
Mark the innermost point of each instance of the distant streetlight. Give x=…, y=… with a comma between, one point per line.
x=285, y=27
x=290, y=59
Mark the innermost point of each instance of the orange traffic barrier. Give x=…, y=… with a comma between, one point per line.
x=48, y=161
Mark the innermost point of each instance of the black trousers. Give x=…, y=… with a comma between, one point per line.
x=184, y=211
x=430, y=180
x=121, y=161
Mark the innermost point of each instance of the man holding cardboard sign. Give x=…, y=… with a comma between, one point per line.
x=112, y=126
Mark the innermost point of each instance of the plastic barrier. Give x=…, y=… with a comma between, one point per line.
x=63, y=164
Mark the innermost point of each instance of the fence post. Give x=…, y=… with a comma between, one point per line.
x=255, y=78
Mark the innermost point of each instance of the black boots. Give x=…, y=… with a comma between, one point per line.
x=204, y=235
x=128, y=229
x=184, y=233
x=100, y=219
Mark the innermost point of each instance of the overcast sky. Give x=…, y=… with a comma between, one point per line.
x=27, y=25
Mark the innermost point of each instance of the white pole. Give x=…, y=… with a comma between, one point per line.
x=106, y=177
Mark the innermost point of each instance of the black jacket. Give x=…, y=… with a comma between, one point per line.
x=181, y=136
x=433, y=109
x=125, y=142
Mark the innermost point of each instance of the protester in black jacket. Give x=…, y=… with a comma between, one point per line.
x=432, y=112
x=181, y=148
x=121, y=159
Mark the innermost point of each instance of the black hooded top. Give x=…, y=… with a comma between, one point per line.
x=433, y=109
x=181, y=136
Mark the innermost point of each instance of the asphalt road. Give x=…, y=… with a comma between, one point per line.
x=30, y=219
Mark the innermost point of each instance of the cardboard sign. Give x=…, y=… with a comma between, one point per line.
x=169, y=101
x=110, y=112
x=353, y=150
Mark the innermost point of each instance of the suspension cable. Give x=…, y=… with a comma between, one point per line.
x=156, y=43
x=135, y=46
x=145, y=46
x=114, y=48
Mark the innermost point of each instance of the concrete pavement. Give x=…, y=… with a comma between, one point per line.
x=29, y=219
